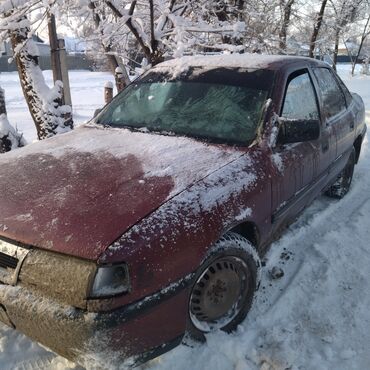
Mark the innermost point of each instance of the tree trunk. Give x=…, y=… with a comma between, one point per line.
x=365, y=33
x=284, y=27
x=316, y=28
x=43, y=102
x=10, y=138
x=114, y=63
x=223, y=15
x=56, y=66
x=336, y=46
x=155, y=55
x=2, y=102
x=357, y=56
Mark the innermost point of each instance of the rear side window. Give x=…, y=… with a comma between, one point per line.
x=300, y=100
x=345, y=90
x=332, y=95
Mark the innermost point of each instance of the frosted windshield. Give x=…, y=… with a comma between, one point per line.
x=201, y=109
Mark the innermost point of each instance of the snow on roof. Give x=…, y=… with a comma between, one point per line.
x=38, y=39
x=253, y=61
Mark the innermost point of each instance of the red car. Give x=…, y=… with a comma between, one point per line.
x=149, y=222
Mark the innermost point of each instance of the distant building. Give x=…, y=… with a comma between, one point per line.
x=5, y=49
x=347, y=51
x=295, y=47
x=349, y=46
x=75, y=45
x=44, y=48
x=76, y=57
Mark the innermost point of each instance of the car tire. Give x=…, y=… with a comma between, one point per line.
x=343, y=182
x=224, y=287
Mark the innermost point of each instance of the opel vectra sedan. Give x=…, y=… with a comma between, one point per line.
x=148, y=222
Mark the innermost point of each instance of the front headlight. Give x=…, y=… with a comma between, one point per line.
x=64, y=278
x=110, y=281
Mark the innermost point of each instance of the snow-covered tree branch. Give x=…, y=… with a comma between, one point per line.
x=159, y=29
x=143, y=33
x=44, y=103
x=10, y=138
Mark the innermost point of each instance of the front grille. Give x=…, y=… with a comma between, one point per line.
x=7, y=261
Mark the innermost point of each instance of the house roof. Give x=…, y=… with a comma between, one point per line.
x=38, y=39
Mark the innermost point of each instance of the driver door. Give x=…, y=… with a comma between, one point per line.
x=295, y=164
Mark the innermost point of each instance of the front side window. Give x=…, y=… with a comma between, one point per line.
x=332, y=95
x=300, y=100
x=221, y=105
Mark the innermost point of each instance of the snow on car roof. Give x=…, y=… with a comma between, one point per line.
x=253, y=61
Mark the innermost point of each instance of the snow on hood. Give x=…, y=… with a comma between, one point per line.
x=78, y=192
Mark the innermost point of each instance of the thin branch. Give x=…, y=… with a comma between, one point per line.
x=130, y=25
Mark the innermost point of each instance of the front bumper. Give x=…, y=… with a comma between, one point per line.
x=130, y=335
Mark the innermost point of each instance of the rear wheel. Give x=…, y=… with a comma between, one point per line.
x=224, y=287
x=342, y=185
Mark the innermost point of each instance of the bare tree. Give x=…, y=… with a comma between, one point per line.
x=49, y=115
x=316, y=28
x=345, y=12
x=113, y=59
x=286, y=11
x=44, y=103
x=364, y=34
x=10, y=138
x=2, y=102
x=157, y=29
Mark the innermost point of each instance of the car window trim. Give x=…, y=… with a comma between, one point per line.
x=336, y=78
x=293, y=75
x=341, y=112
x=343, y=87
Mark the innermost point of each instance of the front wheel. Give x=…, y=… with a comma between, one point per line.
x=341, y=186
x=224, y=287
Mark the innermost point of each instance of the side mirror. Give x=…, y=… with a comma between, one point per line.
x=297, y=130
x=97, y=112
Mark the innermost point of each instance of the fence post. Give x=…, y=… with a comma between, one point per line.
x=120, y=79
x=64, y=72
x=2, y=102
x=54, y=48
x=56, y=56
x=5, y=143
x=108, y=92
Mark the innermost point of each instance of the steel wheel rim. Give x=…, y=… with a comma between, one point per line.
x=219, y=293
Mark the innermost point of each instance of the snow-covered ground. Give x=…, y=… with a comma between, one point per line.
x=87, y=89
x=315, y=317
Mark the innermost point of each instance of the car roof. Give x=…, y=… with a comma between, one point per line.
x=250, y=61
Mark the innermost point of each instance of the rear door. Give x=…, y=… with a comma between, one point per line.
x=337, y=118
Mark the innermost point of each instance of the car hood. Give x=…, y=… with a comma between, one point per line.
x=77, y=193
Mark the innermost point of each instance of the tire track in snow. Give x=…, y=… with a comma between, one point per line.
x=297, y=239
x=40, y=363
